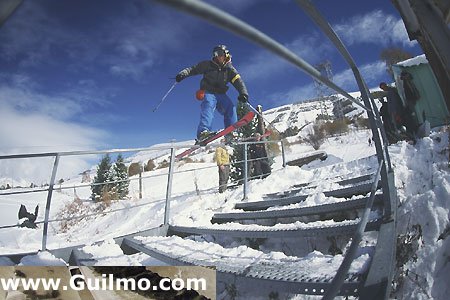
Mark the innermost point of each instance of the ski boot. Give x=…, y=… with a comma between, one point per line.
x=203, y=136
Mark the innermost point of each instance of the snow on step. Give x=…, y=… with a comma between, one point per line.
x=112, y=256
x=296, y=229
x=294, y=197
x=245, y=261
x=294, y=210
x=347, y=191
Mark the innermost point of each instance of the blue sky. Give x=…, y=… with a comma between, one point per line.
x=80, y=74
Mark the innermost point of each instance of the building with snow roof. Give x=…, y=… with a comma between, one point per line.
x=429, y=103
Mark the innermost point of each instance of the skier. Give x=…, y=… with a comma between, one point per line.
x=217, y=73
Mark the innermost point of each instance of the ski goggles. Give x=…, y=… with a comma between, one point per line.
x=219, y=52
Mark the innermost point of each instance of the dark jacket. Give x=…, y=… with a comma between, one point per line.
x=394, y=106
x=215, y=78
x=257, y=151
x=412, y=94
x=260, y=162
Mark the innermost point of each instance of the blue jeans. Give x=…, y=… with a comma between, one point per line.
x=224, y=106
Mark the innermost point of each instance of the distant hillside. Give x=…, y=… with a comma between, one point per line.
x=299, y=114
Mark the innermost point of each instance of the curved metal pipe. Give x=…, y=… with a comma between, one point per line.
x=238, y=27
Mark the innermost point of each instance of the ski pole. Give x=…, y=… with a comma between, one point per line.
x=165, y=96
x=264, y=119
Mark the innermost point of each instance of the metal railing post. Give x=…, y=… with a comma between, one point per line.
x=49, y=200
x=283, y=155
x=245, y=170
x=383, y=139
x=169, y=186
x=140, y=182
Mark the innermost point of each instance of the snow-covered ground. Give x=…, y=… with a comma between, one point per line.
x=421, y=176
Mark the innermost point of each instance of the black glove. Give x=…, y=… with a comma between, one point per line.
x=179, y=77
x=243, y=98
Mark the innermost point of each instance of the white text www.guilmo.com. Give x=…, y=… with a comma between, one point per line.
x=106, y=282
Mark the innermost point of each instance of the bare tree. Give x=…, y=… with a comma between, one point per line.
x=393, y=55
x=316, y=136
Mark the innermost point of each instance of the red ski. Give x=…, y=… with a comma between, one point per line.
x=242, y=122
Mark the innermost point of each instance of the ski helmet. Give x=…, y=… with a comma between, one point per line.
x=220, y=50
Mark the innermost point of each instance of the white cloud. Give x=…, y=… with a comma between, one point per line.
x=400, y=34
x=31, y=36
x=36, y=123
x=371, y=73
x=124, y=44
x=375, y=27
x=24, y=100
x=296, y=94
x=264, y=65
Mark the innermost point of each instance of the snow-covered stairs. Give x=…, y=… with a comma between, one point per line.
x=357, y=189
x=306, y=211
x=338, y=180
x=274, y=269
x=293, y=230
x=309, y=273
x=276, y=256
x=291, y=197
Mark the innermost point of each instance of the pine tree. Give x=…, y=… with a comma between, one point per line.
x=119, y=173
x=98, y=187
x=237, y=158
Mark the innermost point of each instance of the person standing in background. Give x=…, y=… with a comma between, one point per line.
x=223, y=163
x=260, y=162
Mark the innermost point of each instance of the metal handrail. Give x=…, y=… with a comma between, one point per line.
x=238, y=27
x=57, y=156
x=338, y=280
x=382, y=153
x=87, y=152
x=23, y=192
x=378, y=136
x=49, y=200
x=52, y=187
x=88, y=215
